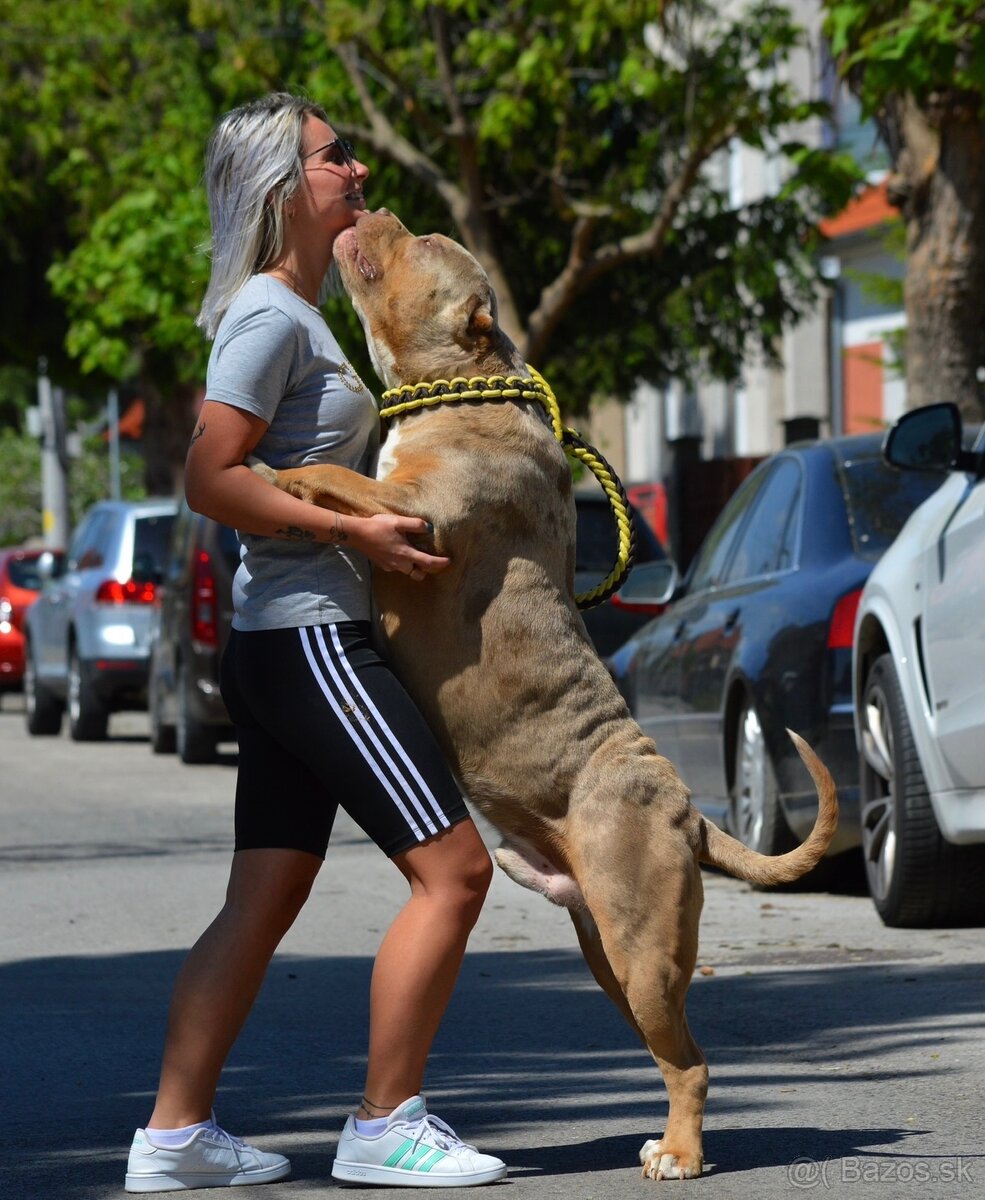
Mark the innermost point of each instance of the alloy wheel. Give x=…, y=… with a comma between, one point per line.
x=879, y=843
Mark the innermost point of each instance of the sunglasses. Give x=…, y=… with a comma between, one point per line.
x=340, y=154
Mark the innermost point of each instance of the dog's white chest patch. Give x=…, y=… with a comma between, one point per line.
x=387, y=458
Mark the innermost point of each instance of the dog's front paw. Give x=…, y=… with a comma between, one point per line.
x=659, y=1163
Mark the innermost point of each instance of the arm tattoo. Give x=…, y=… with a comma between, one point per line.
x=198, y=433
x=338, y=534
x=294, y=533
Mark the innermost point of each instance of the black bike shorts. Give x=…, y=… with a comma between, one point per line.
x=322, y=721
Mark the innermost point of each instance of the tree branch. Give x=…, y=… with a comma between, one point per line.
x=583, y=268
x=385, y=139
x=460, y=127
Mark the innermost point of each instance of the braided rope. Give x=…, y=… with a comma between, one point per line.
x=411, y=396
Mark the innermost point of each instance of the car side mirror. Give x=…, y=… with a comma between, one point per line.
x=51, y=565
x=927, y=439
x=649, y=585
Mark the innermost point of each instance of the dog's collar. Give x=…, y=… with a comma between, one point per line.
x=397, y=401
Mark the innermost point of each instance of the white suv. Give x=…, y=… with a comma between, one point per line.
x=919, y=688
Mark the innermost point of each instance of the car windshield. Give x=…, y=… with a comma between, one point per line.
x=150, y=546
x=880, y=499
x=597, y=538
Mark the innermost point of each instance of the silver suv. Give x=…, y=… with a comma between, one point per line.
x=87, y=633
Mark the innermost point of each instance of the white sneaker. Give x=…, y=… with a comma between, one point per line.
x=415, y=1150
x=210, y=1158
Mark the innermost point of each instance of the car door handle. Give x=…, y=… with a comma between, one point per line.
x=731, y=619
x=679, y=631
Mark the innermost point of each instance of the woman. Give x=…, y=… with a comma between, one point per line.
x=321, y=720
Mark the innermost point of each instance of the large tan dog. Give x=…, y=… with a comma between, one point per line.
x=495, y=653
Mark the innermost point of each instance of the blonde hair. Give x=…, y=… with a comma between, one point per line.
x=252, y=170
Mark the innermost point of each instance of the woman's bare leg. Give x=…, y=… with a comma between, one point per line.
x=221, y=976
x=419, y=959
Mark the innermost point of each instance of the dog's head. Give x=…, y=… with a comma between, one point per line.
x=426, y=305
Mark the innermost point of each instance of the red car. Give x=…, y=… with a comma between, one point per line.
x=20, y=584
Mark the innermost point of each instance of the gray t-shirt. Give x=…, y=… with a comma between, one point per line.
x=275, y=357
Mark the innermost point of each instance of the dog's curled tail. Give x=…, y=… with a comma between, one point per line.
x=729, y=855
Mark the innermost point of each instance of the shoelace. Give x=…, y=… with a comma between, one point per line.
x=434, y=1131
x=220, y=1137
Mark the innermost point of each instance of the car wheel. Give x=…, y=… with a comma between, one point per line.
x=915, y=876
x=42, y=708
x=163, y=738
x=88, y=716
x=756, y=815
x=196, y=743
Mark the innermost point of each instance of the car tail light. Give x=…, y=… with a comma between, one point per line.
x=618, y=602
x=842, y=628
x=204, y=612
x=111, y=591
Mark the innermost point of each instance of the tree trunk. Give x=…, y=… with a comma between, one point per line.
x=168, y=424
x=945, y=275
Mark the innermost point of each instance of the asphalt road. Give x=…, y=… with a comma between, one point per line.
x=844, y=1056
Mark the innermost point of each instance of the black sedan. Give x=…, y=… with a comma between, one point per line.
x=758, y=638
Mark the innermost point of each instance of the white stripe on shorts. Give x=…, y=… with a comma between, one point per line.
x=350, y=722
x=391, y=737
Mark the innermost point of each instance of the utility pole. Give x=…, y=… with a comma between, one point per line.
x=54, y=461
x=113, y=420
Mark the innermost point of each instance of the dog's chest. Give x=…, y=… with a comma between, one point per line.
x=386, y=458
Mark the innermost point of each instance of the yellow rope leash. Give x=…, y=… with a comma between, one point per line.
x=397, y=401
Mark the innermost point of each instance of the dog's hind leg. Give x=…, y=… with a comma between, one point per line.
x=599, y=965
x=647, y=922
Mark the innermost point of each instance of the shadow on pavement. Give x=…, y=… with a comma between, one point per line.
x=528, y=1038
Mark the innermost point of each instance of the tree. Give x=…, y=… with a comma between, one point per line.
x=918, y=67
x=572, y=146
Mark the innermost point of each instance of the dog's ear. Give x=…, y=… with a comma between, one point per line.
x=481, y=317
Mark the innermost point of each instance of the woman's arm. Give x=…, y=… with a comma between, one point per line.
x=218, y=484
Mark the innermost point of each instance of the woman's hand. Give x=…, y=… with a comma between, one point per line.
x=385, y=539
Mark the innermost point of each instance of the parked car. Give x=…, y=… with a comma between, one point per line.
x=20, y=584
x=87, y=634
x=758, y=638
x=596, y=542
x=919, y=682
x=190, y=630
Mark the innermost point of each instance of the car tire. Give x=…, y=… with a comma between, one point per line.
x=42, y=708
x=916, y=878
x=88, y=716
x=755, y=812
x=195, y=742
x=163, y=737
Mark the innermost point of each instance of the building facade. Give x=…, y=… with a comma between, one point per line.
x=838, y=372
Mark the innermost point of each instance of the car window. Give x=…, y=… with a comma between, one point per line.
x=151, y=538
x=24, y=573
x=88, y=546
x=879, y=500
x=180, y=532
x=767, y=540
x=709, y=567
x=597, y=538
x=229, y=545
